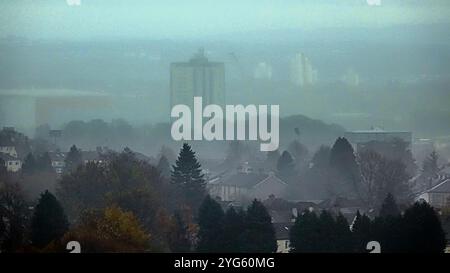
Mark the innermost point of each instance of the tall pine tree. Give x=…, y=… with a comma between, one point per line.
x=423, y=231
x=342, y=235
x=305, y=236
x=210, y=222
x=362, y=231
x=49, y=221
x=259, y=235
x=343, y=162
x=389, y=207
x=286, y=167
x=233, y=225
x=187, y=176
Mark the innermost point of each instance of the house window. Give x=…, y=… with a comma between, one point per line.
x=286, y=244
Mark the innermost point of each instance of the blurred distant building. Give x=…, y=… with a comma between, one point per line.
x=263, y=71
x=351, y=78
x=359, y=138
x=197, y=77
x=302, y=72
x=246, y=185
x=29, y=108
x=12, y=164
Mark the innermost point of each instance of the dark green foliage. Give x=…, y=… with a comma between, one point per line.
x=388, y=231
x=362, y=232
x=422, y=229
x=343, y=238
x=259, y=235
x=33, y=165
x=343, y=163
x=29, y=165
x=321, y=158
x=3, y=171
x=321, y=234
x=49, y=221
x=326, y=230
x=305, y=235
x=233, y=225
x=44, y=163
x=210, y=221
x=187, y=176
x=316, y=179
x=389, y=207
x=286, y=167
x=179, y=240
x=235, y=231
x=13, y=217
x=299, y=152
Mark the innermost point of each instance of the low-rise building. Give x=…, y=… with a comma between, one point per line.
x=246, y=185
x=8, y=149
x=282, y=236
x=58, y=161
x=438, y=196
x=12, y=164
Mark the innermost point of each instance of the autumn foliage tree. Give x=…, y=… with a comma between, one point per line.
x=110, y=230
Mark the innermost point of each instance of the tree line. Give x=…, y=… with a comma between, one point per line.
x=417, y=230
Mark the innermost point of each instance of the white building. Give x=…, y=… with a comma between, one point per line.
x=359, y=138
x=302, y=72
x=58, y=161
x=10, y=150
x=12, y=164
x=197, y=77
x=246, y=185
x=438, y=196
x=263, y=71
x=351, y=78
x=282, y=236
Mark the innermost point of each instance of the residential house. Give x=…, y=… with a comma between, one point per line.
x=8, y=149
x=282, y=236
x=58, y=161
x=246, y=185
x=437, y=196
x=12, y=164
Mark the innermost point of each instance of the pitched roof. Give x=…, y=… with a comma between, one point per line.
x=443, y=187
x=270, y=179
x=7, y=157
x=57, y=156
x=244, y=180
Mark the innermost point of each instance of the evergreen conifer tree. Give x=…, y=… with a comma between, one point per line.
x=49, y=222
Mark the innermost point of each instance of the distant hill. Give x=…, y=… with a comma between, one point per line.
x=311, y=132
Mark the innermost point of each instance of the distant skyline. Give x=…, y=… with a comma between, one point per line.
x=63, y=19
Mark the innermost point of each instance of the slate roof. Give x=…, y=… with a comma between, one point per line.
x=244, y=180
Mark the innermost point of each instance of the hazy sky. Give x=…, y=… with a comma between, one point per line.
x=199, y=18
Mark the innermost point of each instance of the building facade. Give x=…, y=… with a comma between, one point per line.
x=197, y=77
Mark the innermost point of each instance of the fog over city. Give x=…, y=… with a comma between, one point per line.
x=96, y=80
